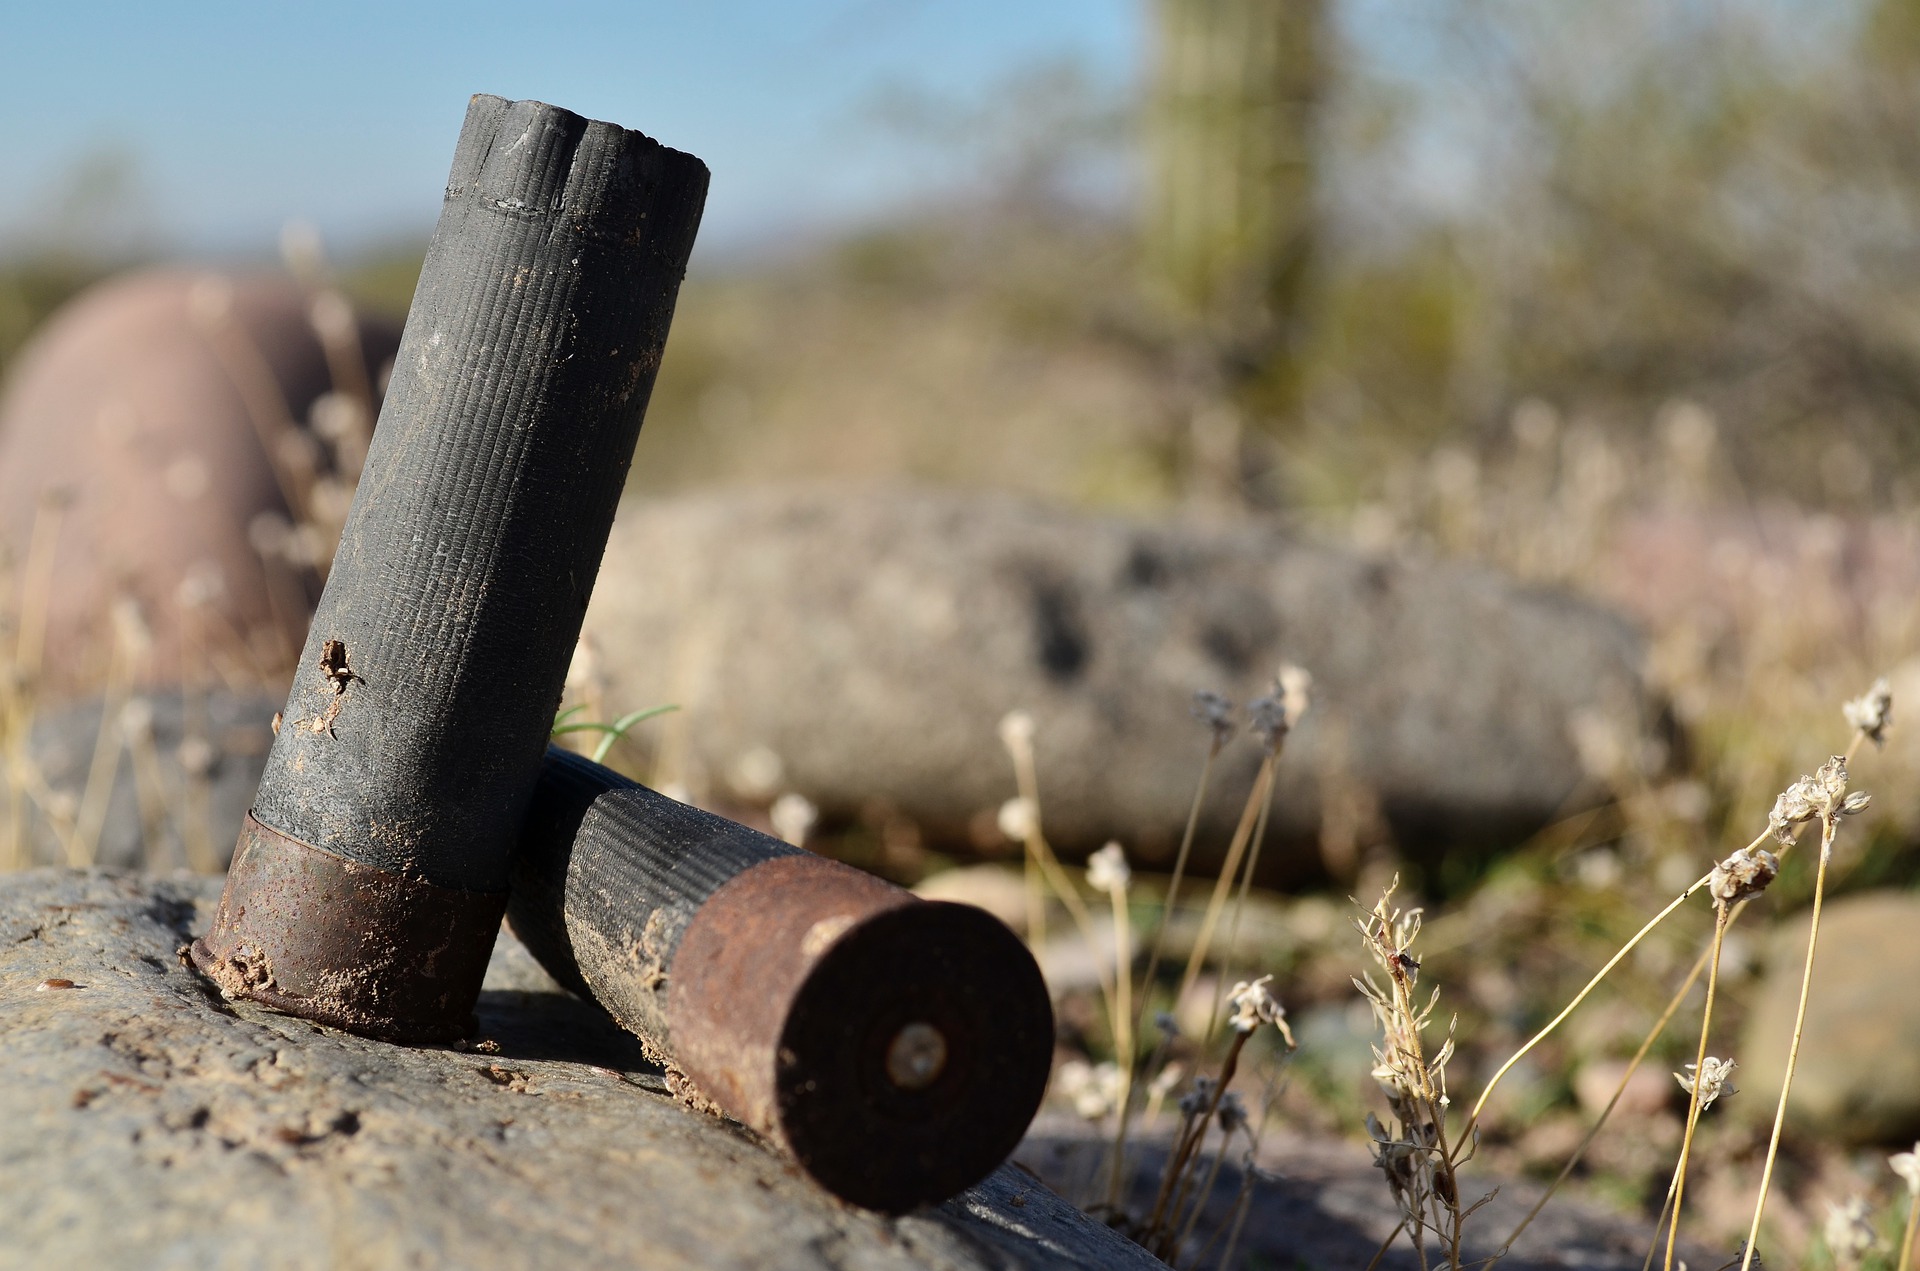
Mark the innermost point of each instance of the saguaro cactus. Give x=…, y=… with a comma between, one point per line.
x=1229, y=216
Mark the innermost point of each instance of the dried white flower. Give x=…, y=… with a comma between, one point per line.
x=1296, y=690
x=1162, y=1086
x=1907, y=1166
x=1253, y=1005
x=1746, y=873
x=1871, y=713
x=1832, y=779
x=1716, y=1079
x=793, y=816
x=1107, y=870
x=1849, y=1232
x=756, y=773
x=1232, y=1113
x=1790, y=808
x=1016, y=731
x=1092, y=1089
x=1216, y=712
x=1822, y=794
x=1019, y=819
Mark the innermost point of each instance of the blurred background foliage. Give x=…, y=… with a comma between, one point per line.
x=1293, y=256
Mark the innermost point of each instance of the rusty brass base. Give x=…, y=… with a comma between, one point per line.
x=896, y=1047
x=313, y=934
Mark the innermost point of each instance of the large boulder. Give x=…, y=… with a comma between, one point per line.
x=192, y=437
x=861, y=649
x=1858, y=1076
x=151, y=1124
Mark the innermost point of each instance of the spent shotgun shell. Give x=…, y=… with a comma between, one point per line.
x=370, y=877
x=896, y=1048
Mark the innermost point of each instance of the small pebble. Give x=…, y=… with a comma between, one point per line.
x=55, y=983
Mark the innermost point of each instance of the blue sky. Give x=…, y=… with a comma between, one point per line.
x=239, y=116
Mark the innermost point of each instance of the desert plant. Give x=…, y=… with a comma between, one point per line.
x=1418, y=1156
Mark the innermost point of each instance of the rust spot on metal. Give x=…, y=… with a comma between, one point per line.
x=896, y=1047
x=313, y=934
x=743, y=959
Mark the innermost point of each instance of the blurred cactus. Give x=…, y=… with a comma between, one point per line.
x=1230, y=201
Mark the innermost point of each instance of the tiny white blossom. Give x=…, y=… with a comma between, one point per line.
x=1871, y=713
x=1092, y=1089
x=1019, y=818
x=1016, y=730
x=793, y=816
x=1715, y=1080
x=1296, y=690
x=1253, y=1005
x=1849, y=1231
x=1107, y=870
x=1907, y=1166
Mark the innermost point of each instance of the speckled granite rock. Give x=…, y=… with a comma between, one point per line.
x=862, y=646
x=147, y=1123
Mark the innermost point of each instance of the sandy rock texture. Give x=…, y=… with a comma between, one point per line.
x=861, y=647
x=150, y=1124
x=1858, y=1076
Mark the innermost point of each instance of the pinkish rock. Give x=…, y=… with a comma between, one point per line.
x=163, y=420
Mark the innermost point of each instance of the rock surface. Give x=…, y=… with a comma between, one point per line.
x=1324, y=1206
x=191, y=420
x=151, y=1124
x=176, y=774
x=1858, y=1076
x=861, y=648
